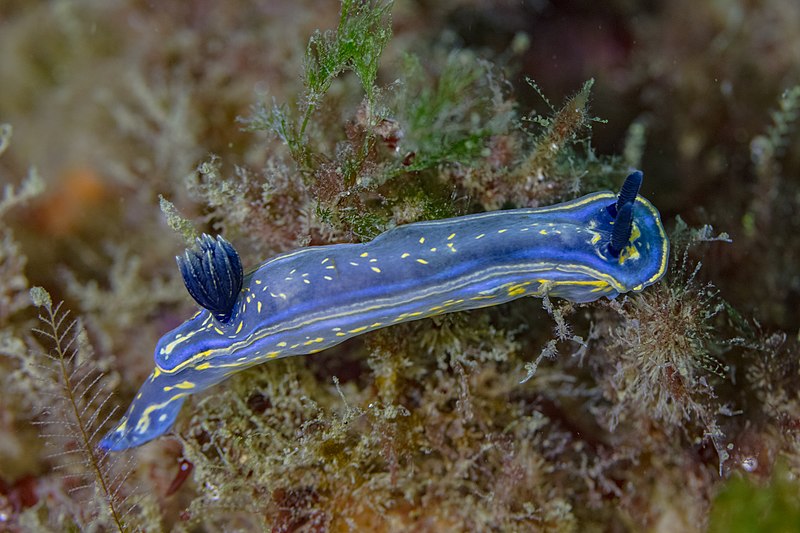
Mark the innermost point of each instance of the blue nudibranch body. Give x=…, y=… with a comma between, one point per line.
x=310, y=299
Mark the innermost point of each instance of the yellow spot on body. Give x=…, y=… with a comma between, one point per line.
x=306, y=281
x=405, y=254
x=373, y=260
x=542, y=232
x=325, y=260
x=144, y=418
x=481, y=236
x=272, y=354
x=365, y=254
x=282, y=344
x=331, y=267
x=340, y=334
x=258, y=307
x=376, y=324
x=630, y=252
x=258, y=282
x=518, y=289
x=450, y=237
x=239, y=328
x=433, y=249
x=451, y=246
x=203, y=366
x=156, y=372
x=502, y=230
x=422, y=261
x=358, y=330
x=185, y=385
x=422, y=240
x=376, y=269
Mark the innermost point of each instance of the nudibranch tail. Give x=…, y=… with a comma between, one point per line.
x=151, y=414
x=213, y=275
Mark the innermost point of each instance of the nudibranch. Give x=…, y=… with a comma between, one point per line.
x=307, y=300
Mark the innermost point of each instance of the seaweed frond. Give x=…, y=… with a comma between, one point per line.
x=562, y=332
x=356, y=45
x=449, y=115
x=558, y=160
x=766, y=151
x=177, y=222
x=635, y=142
x=13, y=283
x=31, y=186
x=660, y=371
x=775, y=139
x=663, y=352
x=75, y=396
x=558, y=132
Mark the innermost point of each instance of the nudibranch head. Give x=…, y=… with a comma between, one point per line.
x=600, y=245
x=638, y=247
